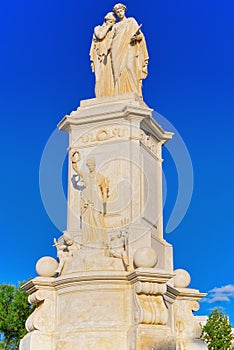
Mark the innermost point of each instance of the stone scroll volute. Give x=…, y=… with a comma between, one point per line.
x=43, y=317
x=150, y=303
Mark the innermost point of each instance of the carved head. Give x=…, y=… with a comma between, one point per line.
x=91, y=164
x=119, y=10
x=110, y=17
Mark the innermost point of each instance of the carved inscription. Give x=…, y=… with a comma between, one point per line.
x=104, y=134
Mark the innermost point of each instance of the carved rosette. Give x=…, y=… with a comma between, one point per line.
x=150, y=303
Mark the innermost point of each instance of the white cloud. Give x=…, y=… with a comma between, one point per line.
x=229, y=289
x=219, y=294
x=218, y=297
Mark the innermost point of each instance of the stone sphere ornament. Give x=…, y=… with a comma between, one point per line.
x=182, y=278
x=46, y=266
x=145, y=257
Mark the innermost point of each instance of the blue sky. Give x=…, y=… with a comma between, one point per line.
x=45, y=72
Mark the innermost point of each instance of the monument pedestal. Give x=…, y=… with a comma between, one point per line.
x=115, y=285
x=105, y=309
x=120, y=134
x=154, y=337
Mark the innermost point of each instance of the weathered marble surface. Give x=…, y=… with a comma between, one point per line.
x=120, y=133
x=121, y=292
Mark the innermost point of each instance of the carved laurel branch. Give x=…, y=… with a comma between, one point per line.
x=150, y=303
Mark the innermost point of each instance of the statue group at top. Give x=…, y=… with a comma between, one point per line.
x=118, y=54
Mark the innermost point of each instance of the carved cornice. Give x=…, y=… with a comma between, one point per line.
x=149, y=275
x=138, y=275
x=95, y=277
x=189, y=294
x=114, y=112
x=45, y=283
x=52, y=284
x=171, y=294
x=151, y=127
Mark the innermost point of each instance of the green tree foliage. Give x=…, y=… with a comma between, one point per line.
x=14, y=310
x=217, y=332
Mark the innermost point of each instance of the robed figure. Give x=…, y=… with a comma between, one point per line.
x=100, y=56
x=119, y=55
x=93, y=201
x=128, y=53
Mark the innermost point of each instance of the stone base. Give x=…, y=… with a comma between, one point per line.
x=190, y=344
x=91, y=259
x=87, y=340
x=87, y=311
x=99, y=310
x=154, y=338
x=37, y=340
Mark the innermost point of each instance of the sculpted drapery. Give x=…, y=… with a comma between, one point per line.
x=100, y=56
x=119, y=55
x=92, y=208
x=93, y=201
x=129, y=59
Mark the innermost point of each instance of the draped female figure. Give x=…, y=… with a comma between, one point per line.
x=100, y=56
x=128, y=54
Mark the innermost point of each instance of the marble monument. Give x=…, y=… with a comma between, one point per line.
x=113, y=285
